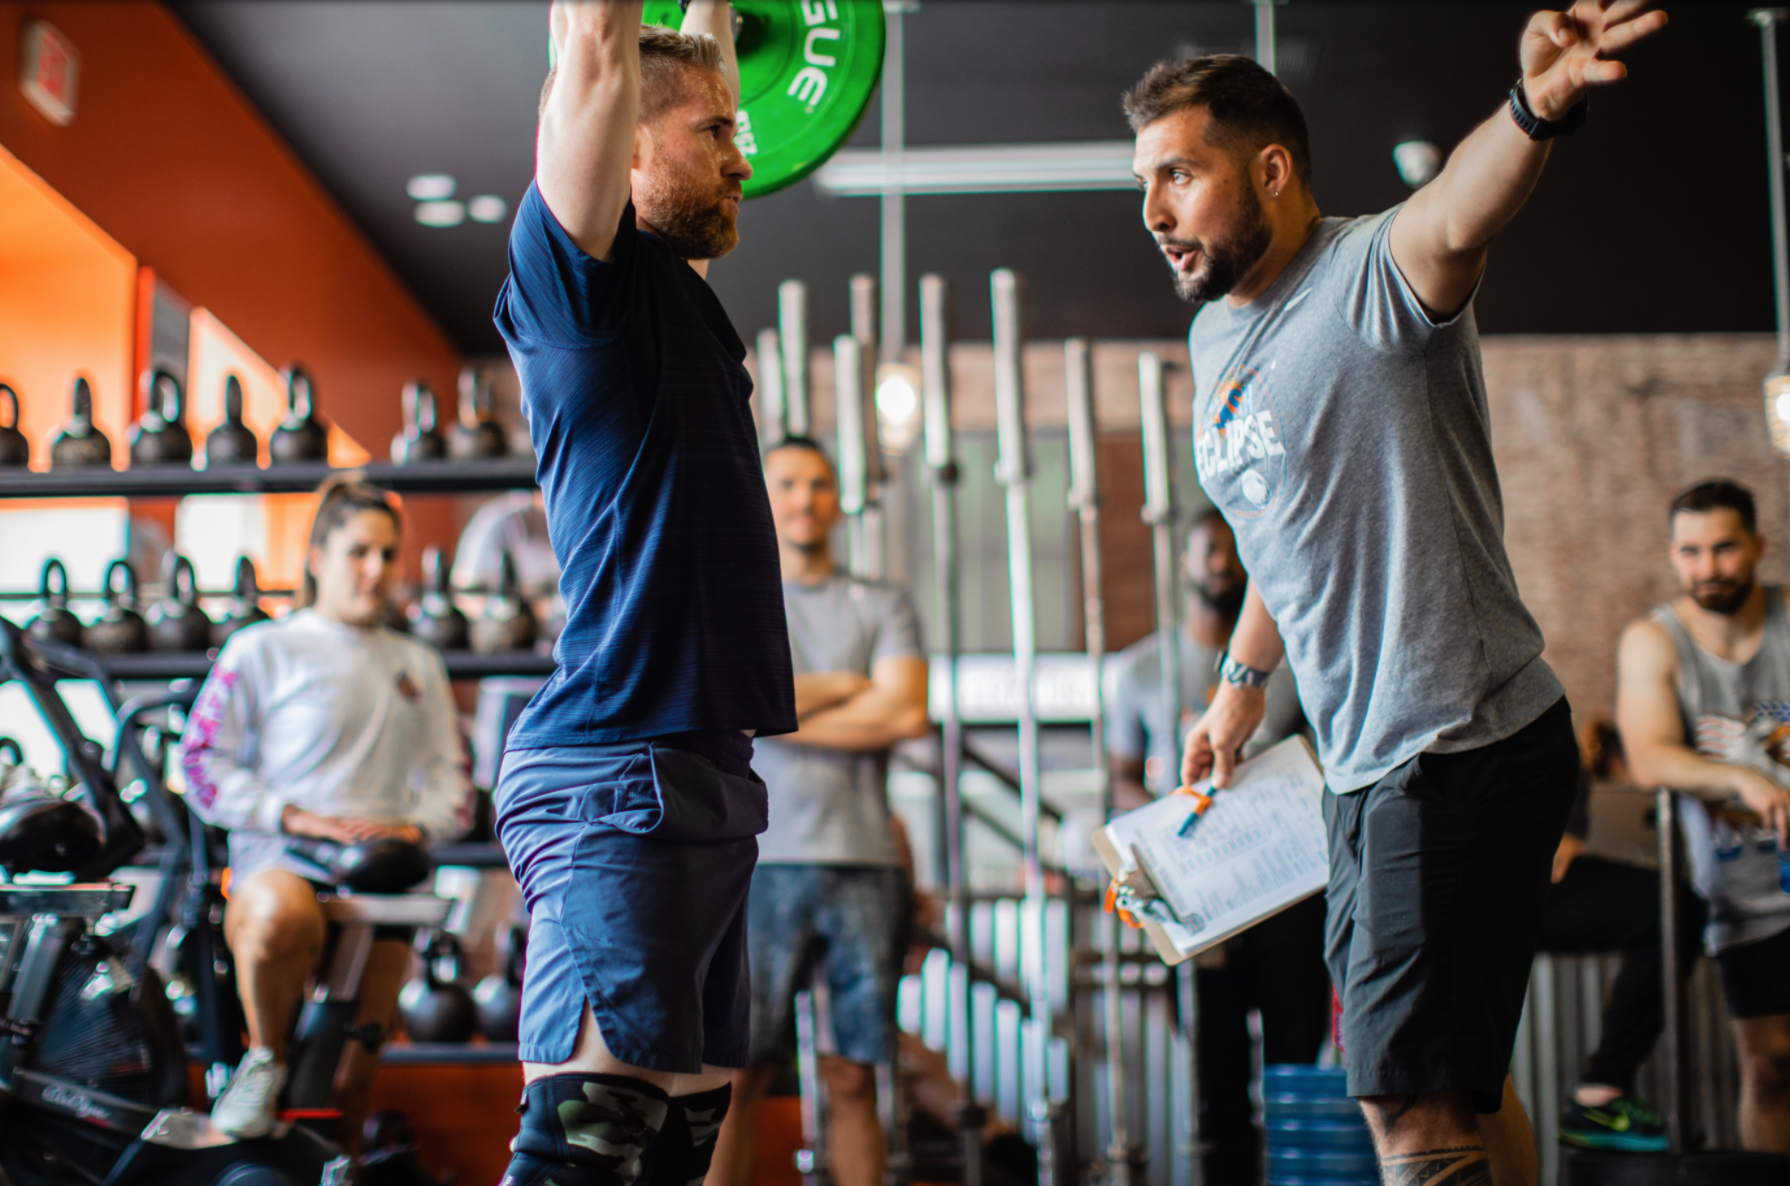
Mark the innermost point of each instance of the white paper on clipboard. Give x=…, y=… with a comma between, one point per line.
x=1260, y=848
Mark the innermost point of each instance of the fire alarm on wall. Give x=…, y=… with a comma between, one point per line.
x=49, y=71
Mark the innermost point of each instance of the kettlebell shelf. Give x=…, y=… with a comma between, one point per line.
x=447, y=1053
x=173, y=481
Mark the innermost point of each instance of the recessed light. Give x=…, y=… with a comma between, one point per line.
x=430, y=187
x=1418, y=162
x=487, y=208
x=440, y=213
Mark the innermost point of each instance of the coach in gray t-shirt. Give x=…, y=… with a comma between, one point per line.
x=1341, y=426
x=830, y=896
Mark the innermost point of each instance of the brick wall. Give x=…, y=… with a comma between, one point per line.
x=1594, y=436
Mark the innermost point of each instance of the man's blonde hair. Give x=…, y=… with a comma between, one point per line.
x=664, y=55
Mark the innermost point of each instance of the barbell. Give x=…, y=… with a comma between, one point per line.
x=807, y=71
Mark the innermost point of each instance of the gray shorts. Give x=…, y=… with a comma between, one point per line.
x=251, y=852
x=852, y=920
x=1437, y=877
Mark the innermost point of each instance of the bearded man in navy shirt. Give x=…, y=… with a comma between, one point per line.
x=627, y=805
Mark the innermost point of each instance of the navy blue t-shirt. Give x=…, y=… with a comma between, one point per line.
x=635, y=391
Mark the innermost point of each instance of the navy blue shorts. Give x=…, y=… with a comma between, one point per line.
x=853, y=920
x=635, y=860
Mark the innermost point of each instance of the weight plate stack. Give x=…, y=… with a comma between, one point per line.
x=807, y=71
x=1316, y=1133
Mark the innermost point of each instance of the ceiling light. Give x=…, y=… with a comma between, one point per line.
x=430, y=187
x=980, y=169
x=440, y=213
x=487, y=208
x=897, y=401
x=1418, y=162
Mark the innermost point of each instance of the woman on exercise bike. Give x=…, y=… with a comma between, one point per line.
x=323, y=724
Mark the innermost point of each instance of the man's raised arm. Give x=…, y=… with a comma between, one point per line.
x=585, y=147
x=1439, y=239
x=715, y=17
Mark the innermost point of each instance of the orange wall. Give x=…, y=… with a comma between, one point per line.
x=52, y=260
x=168, y=158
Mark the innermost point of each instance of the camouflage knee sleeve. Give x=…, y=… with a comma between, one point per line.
x=681, y=1155
x=585, y=1130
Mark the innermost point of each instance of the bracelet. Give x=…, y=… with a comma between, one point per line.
x=1537, y=128
x=1239, y=674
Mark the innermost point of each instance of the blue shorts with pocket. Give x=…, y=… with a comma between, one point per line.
x=635, y=860
x=851, y=922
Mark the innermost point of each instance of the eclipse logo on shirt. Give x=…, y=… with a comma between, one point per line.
x=407, y=688
x=1237, y=446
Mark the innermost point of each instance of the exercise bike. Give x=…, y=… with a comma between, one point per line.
x=93, y=1069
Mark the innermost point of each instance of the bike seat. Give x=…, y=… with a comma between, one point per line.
x=370, y=867
x=42, y=833
x=421, y=910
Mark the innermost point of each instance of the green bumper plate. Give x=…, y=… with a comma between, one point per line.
x=807, y=71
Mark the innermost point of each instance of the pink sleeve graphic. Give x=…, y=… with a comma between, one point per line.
x=200, y=740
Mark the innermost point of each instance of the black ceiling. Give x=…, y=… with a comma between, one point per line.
x=1653, y=219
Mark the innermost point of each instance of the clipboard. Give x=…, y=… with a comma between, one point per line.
x=1260, y=848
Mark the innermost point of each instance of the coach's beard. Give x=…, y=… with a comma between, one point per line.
x=1228, y=258
x=695, y=221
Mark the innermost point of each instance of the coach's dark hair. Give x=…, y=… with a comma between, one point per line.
x=344, y=496
x=797, y=441
x=1250, y=108
x=1719, y=492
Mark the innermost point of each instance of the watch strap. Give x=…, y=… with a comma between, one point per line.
x=1537, y=128
x=1240, y=674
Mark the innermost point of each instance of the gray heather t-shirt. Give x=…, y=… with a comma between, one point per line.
x=1344, y=435
x=1738, y=713
x=831, y=807
x=1134, y=721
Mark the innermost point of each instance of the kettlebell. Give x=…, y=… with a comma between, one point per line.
x=231, y=443
x=436, y=619
x=56, y=622
x=159, y=436
x=475, y=433
x=80, y=445
x=301, y=437
x=177, y=623
x=245, y=604
x=121, y=629
x=499, y=995
x=420, y=440
x=15, y=450
x=507, y=623
x=437, y=1008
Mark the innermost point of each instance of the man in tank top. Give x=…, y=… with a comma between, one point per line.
x=1703, y=703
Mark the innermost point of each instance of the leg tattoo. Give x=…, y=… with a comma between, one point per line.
x=1390, y=1112
x=1466, y=1165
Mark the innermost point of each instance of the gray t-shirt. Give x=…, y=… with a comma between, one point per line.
x=1360, y=485
x=831, y=807
x=1135, y=716
x=1738, y=713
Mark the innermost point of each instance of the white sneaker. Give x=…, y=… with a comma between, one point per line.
x=245, y=1109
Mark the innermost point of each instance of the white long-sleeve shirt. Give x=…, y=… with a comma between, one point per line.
x=329, y=718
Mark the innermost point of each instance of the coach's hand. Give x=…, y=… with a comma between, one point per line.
x=1230, y=720
x=1564, y=54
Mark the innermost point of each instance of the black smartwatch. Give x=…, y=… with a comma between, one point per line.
x=1537, y=128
